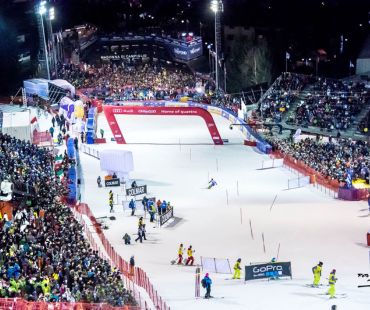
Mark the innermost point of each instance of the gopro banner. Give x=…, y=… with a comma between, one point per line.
x=269, y=270
x=139, y=190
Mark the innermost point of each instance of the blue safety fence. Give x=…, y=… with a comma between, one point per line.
x=91, y=126
x=72, y=172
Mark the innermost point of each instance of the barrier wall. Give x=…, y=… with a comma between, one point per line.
x=72, y=173
x=20, y=304
x=135, y=275
x=334, y=187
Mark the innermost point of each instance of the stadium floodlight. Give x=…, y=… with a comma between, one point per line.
x=42, y=8
x=214, y=6
x=51, y=13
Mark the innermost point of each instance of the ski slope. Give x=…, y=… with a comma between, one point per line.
x=175, y=157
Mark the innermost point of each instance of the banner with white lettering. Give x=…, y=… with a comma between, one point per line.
x=269, y=270
x=139, y=190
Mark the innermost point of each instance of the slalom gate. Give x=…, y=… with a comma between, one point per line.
x=301, y=181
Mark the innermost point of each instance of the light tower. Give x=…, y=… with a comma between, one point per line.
x=43, y=56
x=217, y=7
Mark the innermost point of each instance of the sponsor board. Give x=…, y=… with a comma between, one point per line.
x=139, y=190
x=112, y=182
x=269, y=270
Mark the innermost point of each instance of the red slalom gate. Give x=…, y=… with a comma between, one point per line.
x=131, y=277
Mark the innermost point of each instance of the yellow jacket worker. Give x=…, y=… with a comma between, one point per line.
x=332, y=281
x=190, y=256
x=317, y=274
x=237, y=269
x=180, y=253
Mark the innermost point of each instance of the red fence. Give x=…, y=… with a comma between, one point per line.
x=20, y=304
x=333, y=186
x=131, y=275
x=42, y=137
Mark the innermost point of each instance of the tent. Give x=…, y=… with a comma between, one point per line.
x=118, y=161
x=65, y=85
x=17, y=124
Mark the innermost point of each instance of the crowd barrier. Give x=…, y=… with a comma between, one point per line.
x=89, y=151
x=72, y=173
x=318, y=180
x=20, y=304
x=42, y=138
x=136, y=275
x=332, y=187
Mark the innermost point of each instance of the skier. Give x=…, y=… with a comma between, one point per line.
x=132, y=206
x=180, y=253
x=211, y=183
x=98, y=180
x=190, y=256
x=317, y=274
x=332, y=281
x=206, y=283
x=237, y=269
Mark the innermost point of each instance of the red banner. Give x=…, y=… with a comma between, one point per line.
x=111, y=111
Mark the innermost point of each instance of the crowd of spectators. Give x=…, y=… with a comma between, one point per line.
x=331, y=104
x=332, y=159
x=128, y=82
x=281, y=95
x=43, y=253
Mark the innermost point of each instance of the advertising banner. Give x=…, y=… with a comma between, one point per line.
x=165, y=217
x=111, y=111
x=112, y=182
x=139, y=190
x=269, y=270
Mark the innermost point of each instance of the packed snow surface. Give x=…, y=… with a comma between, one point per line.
x=175, y=158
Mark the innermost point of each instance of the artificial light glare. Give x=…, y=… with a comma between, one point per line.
x=214, y=6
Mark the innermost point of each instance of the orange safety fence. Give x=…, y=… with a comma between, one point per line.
x=315, y=176
x=131, y=275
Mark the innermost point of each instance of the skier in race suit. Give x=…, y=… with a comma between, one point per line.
x=211, y=183
x=317, y=274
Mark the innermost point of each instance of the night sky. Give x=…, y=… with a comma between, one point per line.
x=302, y=26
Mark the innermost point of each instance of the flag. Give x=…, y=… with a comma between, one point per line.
x=59, y=173
x=287, y=55
x=58, y=159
